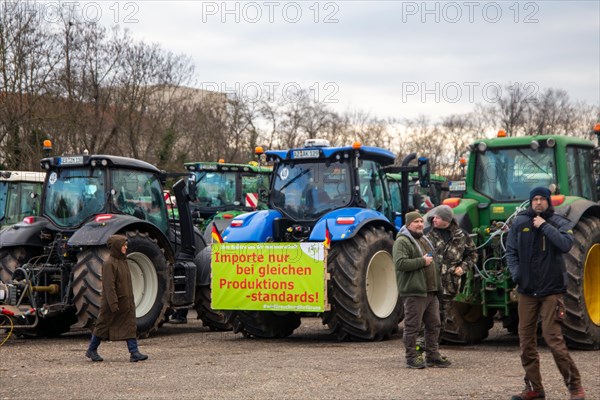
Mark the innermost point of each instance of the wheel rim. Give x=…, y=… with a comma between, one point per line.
x=144, y=282
x=382, y=289
x=591, y=282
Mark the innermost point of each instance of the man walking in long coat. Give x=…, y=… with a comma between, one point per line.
x=117, y=309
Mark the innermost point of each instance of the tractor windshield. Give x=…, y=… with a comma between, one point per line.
x=510, y=174
x=306, y=191
x=3, y=199
x=215, y=189
x=73, y=195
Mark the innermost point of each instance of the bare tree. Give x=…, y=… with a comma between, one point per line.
x=458, y=132
x=27, y=62
x=91, y=88
x=426, y=140
x=586, y=117
x=369, y=130
x=85, y=85
x=512, y=109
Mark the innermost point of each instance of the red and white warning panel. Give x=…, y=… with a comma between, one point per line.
x=252, y=200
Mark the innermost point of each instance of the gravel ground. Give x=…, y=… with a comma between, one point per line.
x=189, y=362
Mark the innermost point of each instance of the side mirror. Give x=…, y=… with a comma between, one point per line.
x=423, y=169
x=191, y=188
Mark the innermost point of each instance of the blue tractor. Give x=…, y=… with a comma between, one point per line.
x=341, y=190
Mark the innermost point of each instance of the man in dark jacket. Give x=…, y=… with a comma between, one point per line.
x=117, y=308
x=536, y=242
x=418, y=283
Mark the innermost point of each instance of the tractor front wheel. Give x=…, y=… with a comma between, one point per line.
x=363, y=290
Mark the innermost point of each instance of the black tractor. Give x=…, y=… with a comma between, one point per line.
x=54, y=260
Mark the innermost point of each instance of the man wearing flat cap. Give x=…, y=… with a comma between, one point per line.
x=536, y=242
x=418, y=283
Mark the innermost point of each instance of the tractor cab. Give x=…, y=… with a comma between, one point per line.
x=80, y=188
x=312, y=181
x=507, y=173
x=19, y=195
x=501, y=172
x=224, y=190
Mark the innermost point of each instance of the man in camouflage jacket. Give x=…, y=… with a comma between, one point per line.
x=455, y=254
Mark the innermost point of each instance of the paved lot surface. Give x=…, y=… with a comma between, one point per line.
x=188, y=362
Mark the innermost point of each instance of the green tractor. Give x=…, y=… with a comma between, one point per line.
x=220, y=192
x=224, y=191
x=500, y=174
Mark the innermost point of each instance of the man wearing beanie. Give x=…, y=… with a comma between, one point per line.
x=536, y=242
x=418, y=283
x=455, y=254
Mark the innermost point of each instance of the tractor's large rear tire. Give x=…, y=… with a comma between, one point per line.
x=150, y=281
x=581, y=326
x=87, y=284
x=465, y=324
x=215, y=320
x=363, y=292
x=264, y=324
x=12, y=258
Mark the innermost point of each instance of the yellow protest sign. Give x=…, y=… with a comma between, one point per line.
x=268, y=276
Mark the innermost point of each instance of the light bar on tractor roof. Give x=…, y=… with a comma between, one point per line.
x=317, y=143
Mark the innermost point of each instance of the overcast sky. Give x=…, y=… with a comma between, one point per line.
x=388, y=58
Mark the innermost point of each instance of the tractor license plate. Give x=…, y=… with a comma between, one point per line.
x=75, y=160
x=306, y=154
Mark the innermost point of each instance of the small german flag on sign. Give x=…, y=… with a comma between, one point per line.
x=216, y=235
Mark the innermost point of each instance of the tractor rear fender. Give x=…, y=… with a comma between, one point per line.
x=97, y=233
x=24, y=233
x=256, y=226
x=575, y=207
x=344, y=223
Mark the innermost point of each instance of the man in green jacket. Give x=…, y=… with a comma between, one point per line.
x=418, y=283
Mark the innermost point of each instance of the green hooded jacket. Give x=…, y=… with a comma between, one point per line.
x=411, y=272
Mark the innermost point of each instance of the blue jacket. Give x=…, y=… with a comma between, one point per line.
x=535, y=256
